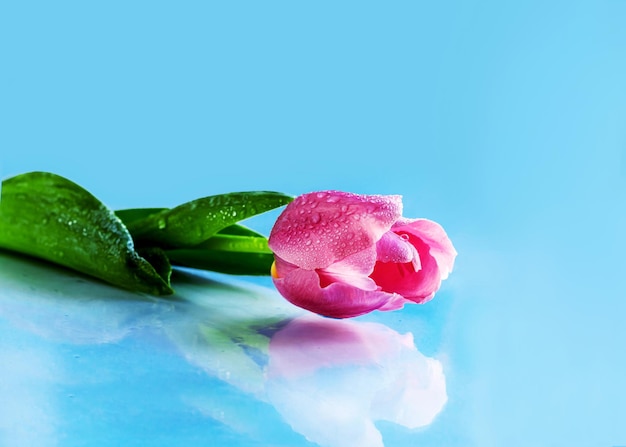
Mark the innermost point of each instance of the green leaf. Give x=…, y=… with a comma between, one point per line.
x=236, y=255
x=159, y=261
x=49, y=217
x=239, y=230
x=194, y=222
x=133, y=214
x=227, y=242
x=231, y=262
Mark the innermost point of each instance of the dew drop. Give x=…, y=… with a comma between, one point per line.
x=161, y=224
x=308, y=242
x=315, y=218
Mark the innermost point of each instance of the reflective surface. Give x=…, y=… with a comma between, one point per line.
x=87, y=364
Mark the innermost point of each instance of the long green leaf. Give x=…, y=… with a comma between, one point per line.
x=233, y=254
x=241, y=244
x=49, y=217
x=134, y=214
x=130, y=215
x=239, y=230
x=231, y=262
x=194, y=222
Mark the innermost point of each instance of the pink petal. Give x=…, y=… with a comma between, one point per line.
x=321, y=228
x=397, y=302
x=353, y=270
x=282, y=267
x=417, y=286
x=435, y=237
x=338, y=300
x=395, y=248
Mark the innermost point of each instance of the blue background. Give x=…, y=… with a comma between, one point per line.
x=506, y=123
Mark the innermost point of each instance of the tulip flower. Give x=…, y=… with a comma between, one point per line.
x=342, y=255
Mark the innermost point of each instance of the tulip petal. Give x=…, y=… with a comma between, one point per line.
x=394, y=248
x=435, y=237
x=417, y=286
x=338, y=300
x=321, y=228
x=354, y=270
x=397, y=302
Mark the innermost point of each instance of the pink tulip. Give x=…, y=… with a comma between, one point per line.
x=341, y=255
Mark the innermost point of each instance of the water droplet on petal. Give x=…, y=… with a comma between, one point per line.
x=315, y=218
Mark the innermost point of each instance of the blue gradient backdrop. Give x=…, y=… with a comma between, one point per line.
x=504, y=121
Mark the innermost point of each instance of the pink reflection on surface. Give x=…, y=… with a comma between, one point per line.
x=331, y=379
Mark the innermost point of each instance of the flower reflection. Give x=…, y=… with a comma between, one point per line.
x=332, y=379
